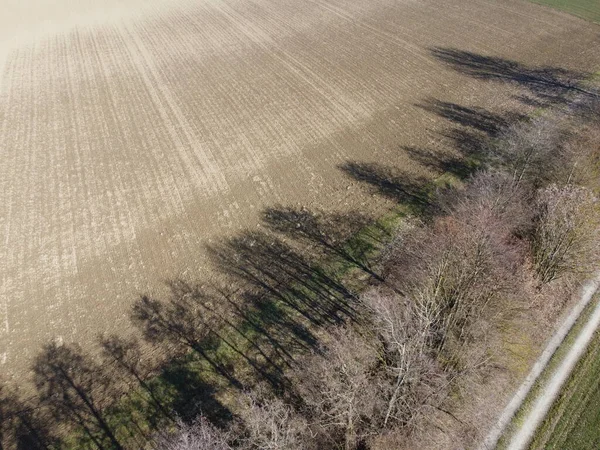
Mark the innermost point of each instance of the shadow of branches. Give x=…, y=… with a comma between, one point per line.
x=469, y=132
x=473, y=117
x=207, y=324
x=293, y=279
x=329, y=234
x=22, y=423
x=390, y=182
x=545, y=85
x=75, y=389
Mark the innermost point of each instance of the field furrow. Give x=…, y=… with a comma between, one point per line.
x=135, y=133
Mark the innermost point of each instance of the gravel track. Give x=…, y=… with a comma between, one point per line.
x=551, y=389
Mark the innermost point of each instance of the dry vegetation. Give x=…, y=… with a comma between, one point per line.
x=368, y=371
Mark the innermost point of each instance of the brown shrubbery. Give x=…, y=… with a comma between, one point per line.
x=270, y=423
x=199, y=435
x=564, y=240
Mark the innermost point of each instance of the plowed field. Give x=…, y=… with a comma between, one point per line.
x=133, y=133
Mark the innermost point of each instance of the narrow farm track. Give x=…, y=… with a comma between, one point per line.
x=542, y=405
x=134, y=133
x=550, y=390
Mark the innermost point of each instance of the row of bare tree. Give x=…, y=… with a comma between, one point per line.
x=531, y=214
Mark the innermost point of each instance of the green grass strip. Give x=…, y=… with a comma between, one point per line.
x=586, y=9
x=574, y=420
x=554, y=363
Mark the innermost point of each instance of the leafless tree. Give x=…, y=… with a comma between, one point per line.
x=565, y=236
x=490, y=200
x=199, y=435
x=339, y=388
x=453, y=271
x=271, y=424
x=530, y=152
x=412, y=374
x=454, y=279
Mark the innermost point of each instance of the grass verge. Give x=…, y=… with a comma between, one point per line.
x=136, y=415
x=554, y=363
x=573, y=422
x=586, y=9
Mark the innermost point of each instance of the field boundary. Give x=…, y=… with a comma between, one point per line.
x=579, y=8
x=536, y=377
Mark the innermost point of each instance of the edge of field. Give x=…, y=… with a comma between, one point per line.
x=564, y=419
x=555, y=361
x=366, y=245
x=584, y=9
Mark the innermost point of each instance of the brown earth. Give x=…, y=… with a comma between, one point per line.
x=134, y=135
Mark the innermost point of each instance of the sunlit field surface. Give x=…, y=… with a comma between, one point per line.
x=135, y=133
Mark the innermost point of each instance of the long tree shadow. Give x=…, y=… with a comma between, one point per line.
x=278, y=293
x=181, y=321
x=470, y=132
x=233, y=328
x=329, y=234
x=293, y=279
x=193, y=396
x=218, y=329
x=546, y=85
x=276, y=298
x=271, y=326
x=473, y=117
x=402, y=187
x=75, y=389
x=127, y=356
x=22, y=425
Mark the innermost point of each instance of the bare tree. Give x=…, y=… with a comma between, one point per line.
x=339, y=388
x=271, y=424
x=530, y=152
x=490, y=200
x=412, y=374
x=565, y=236
x=199, y=435
x=453, y=279
x=453, y=272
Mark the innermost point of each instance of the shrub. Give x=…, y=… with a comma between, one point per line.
x=566, y=223
x=199, y=435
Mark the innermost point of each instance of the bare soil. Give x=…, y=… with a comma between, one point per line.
x=135, y=134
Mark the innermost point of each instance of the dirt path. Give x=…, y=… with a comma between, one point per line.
x=550, y=391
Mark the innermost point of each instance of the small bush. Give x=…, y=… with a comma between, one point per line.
x=565, y=237
x=199, y=435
